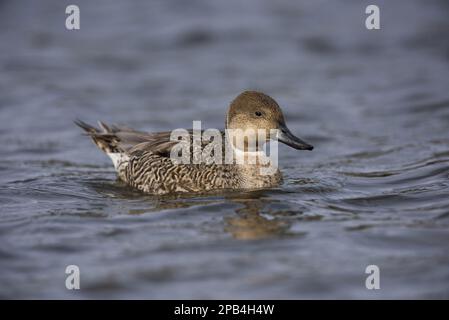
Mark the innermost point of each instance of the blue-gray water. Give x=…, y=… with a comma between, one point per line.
x=375, y=104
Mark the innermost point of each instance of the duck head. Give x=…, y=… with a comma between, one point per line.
x=256, y=111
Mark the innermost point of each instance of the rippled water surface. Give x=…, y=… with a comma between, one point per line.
x=375, y=104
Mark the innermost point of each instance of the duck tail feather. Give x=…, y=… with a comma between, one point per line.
x=86, y=127
x=106, y=140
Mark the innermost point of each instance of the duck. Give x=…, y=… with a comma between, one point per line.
x=143, y=160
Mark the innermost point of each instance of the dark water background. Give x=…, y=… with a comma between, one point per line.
x=375, y=104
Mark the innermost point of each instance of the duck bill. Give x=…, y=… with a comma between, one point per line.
x=285, y=136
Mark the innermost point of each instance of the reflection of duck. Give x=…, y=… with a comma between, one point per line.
x=250, y=224
x=142, y=160
x=247, y=223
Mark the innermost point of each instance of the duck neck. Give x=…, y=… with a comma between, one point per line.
x=255, y=167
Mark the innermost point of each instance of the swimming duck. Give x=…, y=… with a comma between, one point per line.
x=142, y=160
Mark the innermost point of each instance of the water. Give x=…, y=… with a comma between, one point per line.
x=375, y=104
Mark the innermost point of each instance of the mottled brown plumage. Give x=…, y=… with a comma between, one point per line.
x=142, y=159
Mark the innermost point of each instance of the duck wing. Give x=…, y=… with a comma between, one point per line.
x=121, y=139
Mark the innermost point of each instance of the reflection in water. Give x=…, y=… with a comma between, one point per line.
x=249, y=222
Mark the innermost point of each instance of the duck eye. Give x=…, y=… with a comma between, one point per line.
x=258, y=113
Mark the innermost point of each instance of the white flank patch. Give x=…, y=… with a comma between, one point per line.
x=117, y=159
